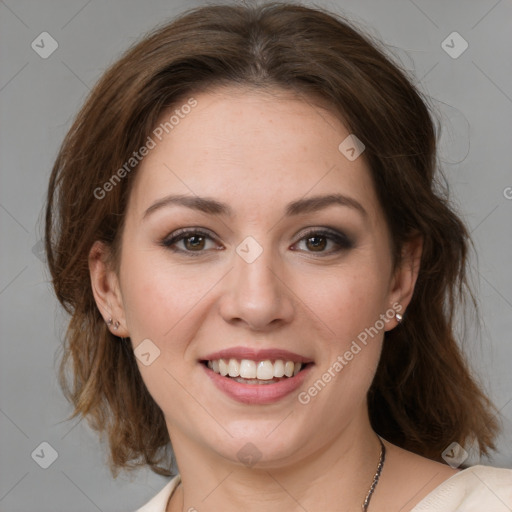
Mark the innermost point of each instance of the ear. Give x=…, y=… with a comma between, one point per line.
x=405, y=276
x=106, y=290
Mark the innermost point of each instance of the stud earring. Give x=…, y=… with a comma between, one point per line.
x=398, y=317
x=110, y=322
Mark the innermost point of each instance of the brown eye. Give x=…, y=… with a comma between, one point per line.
x=316, y=243
x=194, y=242
x=324, y=242
x=190, y=242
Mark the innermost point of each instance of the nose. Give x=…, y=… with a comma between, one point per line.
x=257, y=295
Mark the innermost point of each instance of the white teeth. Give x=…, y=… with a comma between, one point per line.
x=223, y=367
x=234, y=368
x=265, y=370
x=279, y=368
x=248, y=369
x=288, y=368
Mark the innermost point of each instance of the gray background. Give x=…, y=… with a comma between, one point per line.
x=38, y=99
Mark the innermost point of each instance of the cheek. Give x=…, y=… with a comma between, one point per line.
x=347, y=299
x=349, y=305
x=160, y=303
x=160, y=297
x=151, y=302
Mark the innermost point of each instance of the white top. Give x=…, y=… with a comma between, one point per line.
x=475, y=489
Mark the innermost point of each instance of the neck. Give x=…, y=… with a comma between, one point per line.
x=340, y=471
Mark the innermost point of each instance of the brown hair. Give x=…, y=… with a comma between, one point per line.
x=423, y=396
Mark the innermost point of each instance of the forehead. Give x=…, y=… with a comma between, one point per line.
x=248, y=148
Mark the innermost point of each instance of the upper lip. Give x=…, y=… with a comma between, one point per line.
x=253, y=354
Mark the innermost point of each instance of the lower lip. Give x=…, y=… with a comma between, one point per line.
x=257, y=393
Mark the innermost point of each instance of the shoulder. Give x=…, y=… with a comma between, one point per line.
x=408, y=477
x=414, y=483
x=472, y=489
x=159, y=502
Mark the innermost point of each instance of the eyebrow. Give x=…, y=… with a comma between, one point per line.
x=212, y=206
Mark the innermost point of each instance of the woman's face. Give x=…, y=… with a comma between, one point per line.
x=286, y=257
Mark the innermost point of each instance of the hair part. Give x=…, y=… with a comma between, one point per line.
x=423, y=396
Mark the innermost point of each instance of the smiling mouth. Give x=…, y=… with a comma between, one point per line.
x=247, y=371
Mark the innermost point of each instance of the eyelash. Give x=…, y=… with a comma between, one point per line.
x=342, y=240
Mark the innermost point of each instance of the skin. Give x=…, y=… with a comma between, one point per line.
x=258, y=151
